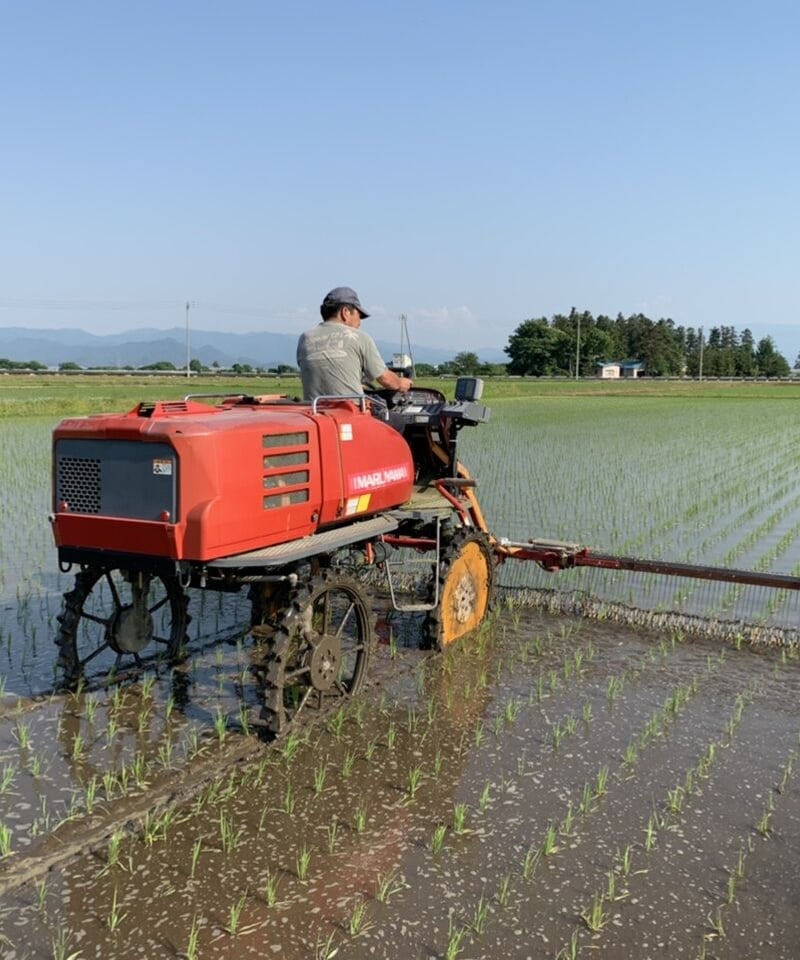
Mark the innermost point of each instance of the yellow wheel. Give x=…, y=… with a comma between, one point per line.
x=465, y=589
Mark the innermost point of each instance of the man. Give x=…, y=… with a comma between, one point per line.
x=336, y=357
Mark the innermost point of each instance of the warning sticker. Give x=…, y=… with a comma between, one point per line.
x=346, y=431
x=357, y=505
x=162, y=468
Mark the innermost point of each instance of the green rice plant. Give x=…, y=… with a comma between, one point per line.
x=357, y=922
x=570, y=725
x=412, y=720
x=114, y=848
x=196, y=848
x=557, y=734
x=61, y=945
x=78, y=751
x=716, y=926
x=625, y=860
x=165, y=754
x=302, y=863
x=601, y=782
x=7, y=777
x=360, y=820
x=512, y=710
x=571, y=951
x=371, y=748
x=455, y=940
x=293, y=743
x=478, y=732
x=244, y=719
x=549, y=846
x=357, y=708
x=480, y=915
x=391, y=735
x=235, y=915
x=587, y=713
x=614, y=688
x=650, y=834
x=347, y=763
x=504, y=890
x=566, y=825
x=270, y=892
x=115, y=916
x=414, y=780
x=497, y=726
x=389, y=884
x=675, y=800
x=229, y=836
x=437, y=840
x=22, y=734
x=220, y=725
x=587, y=799
x=459, y=817
x=595, y=917
x=631, y=756
x=320, y=773
x=763, y=826
x=438, y=760
x=483, y=801
x=288, y=802
x=40, y=886
x=332, y=831
x=191, y=952
x=325, y=949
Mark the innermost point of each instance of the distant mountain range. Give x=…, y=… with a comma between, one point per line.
x=138, y=348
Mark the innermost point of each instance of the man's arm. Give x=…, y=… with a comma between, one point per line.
x=391, y=381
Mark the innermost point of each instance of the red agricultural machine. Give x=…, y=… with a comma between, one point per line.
x=292, y=500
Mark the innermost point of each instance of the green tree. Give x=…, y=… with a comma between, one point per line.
x=466, y=364
x=195, y=366
x=69, y=365
x=537, y=349
x=160, y=365
x=769, y=361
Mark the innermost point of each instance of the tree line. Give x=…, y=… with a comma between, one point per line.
x=542, y=347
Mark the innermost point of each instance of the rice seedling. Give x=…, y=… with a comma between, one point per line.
x=459, y=817
x=347, y=763
x=235, y=915
x=5, y=841
x=270, y=891
x=716, y=926
x=650, y=833
x=566, y=825
x=191, y=951
x=293, y=743
x=7, y=776
x=357, y=922
x=571, y=951
x=22, y=734
x=480, y=915
x=391, y=735
x=414, y=780
x=229, y=836
x=360, y=820
x=197, y=846
x=438, y=760
x=483, y=801
x=595, y=916
x=371, y=747
x=320, y=773
x=61, y=945
x=478, y=732
x=437, y=840
x=220, y=725
x=389, y=884
x=115, y=916
x=302, y=863
x=455, y=940
x=549, y=846
x=601, y=782
x=332, y=831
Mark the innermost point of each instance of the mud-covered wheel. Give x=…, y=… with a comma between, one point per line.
x=466, y=576
x=113, y=616
x=320, y=650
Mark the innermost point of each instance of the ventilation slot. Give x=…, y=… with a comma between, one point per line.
x=79, y=484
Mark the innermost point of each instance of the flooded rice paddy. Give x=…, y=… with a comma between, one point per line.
x=548, y=788
x=553, y=787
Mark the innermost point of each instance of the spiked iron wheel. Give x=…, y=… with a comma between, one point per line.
x=466, y=575
x=320, y=650
x=111, y=616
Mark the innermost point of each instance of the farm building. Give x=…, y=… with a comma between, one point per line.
x=619, y=369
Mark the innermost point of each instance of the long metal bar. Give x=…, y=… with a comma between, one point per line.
x=556, y=555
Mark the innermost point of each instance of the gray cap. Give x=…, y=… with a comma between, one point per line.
x=345, y=296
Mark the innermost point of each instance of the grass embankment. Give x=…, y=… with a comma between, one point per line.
x=59, y=395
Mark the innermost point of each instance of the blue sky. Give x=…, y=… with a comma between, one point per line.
x=466, y=163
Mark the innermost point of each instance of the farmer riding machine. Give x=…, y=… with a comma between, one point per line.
x=294, y=501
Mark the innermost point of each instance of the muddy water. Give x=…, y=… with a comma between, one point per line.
x=415, y=821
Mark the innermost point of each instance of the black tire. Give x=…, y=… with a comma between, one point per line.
x=320, y=651
x=112, y=616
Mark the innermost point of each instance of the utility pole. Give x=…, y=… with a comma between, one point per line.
x=189, y=303
x=700, y=376
x=578, y=351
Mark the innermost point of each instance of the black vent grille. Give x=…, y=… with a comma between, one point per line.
x=79, y=484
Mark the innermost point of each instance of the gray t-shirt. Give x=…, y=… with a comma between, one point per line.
x=335, y=359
